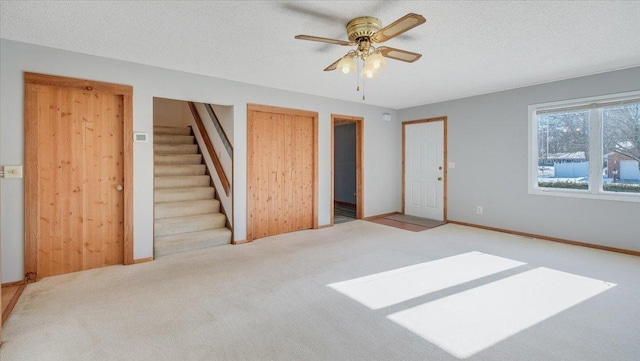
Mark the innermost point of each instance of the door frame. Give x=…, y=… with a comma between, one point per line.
x=250, y=152
x=442, y=119
x=31, y=200
x=359, y=122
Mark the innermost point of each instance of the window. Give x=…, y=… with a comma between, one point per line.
x=586, y=148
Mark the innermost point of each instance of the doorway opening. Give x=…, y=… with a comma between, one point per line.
x=193, y=163
x=347, y=176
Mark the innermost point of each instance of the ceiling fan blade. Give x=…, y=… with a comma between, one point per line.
x=398, y=27
x=398, y=54
x=333, y=66
x=324, y=40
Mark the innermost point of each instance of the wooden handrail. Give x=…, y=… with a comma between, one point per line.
x=220, y=129
x=207, y=142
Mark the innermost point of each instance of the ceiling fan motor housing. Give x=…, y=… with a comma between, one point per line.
x=363, y=28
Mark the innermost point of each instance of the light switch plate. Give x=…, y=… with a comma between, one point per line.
x=140, y=137
x=13, y=171
x=452, y=165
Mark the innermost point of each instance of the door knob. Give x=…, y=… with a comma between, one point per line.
x=439, y=178
x=119, y=187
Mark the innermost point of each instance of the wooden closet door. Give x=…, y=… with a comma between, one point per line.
x=265, y=164
x=80, y=163
x=299, y=176
x=281, y=171
x=274, y=159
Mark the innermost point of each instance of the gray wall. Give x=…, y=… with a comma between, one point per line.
x=488, y=142
x=381, y=139
x=345, y=163
x=481, y=129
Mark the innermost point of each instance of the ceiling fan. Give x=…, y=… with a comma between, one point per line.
x=363, y=32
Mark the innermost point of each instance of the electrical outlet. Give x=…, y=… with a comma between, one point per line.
x=479, y=209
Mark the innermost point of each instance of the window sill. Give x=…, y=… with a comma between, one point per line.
x=571, y=193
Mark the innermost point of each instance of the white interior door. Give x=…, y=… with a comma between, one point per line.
x=424, y=170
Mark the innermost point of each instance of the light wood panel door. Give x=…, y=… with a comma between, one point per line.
x=298, y=173
x=281, y=173
x=76, y=178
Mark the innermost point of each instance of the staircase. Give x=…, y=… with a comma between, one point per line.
x=187, y=216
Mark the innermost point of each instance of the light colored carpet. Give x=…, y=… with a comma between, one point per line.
x=270, y=300
x=418, y=221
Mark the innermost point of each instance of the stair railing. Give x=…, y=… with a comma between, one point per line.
x=224, y=180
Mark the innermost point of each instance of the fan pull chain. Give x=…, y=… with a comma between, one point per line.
x=357, y=75
x=363, y=79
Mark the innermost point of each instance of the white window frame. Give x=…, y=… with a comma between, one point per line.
x=595, y=190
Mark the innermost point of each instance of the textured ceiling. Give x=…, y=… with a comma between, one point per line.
x=468, y=48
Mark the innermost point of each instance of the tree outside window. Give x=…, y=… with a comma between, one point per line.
x=621, y=148
x=588, y=146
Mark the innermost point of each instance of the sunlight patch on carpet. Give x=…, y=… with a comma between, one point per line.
x=468, y=322
x=391, y=287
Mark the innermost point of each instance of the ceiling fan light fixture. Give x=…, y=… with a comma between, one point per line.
x=376, y=60
x=369, y=72
x=346, y=65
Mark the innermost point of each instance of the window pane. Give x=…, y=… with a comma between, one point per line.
x=563, y=150
x=621, y=148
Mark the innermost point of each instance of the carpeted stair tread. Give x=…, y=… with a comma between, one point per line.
x=186, y=214
x=183, y=194
x=165, y=245
x=187, y=169
x=178, y=225
x=171, y=130
x=186, y=208
x=162, y=159
x=173, y=139
x=189, y=181
x=175, y=148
